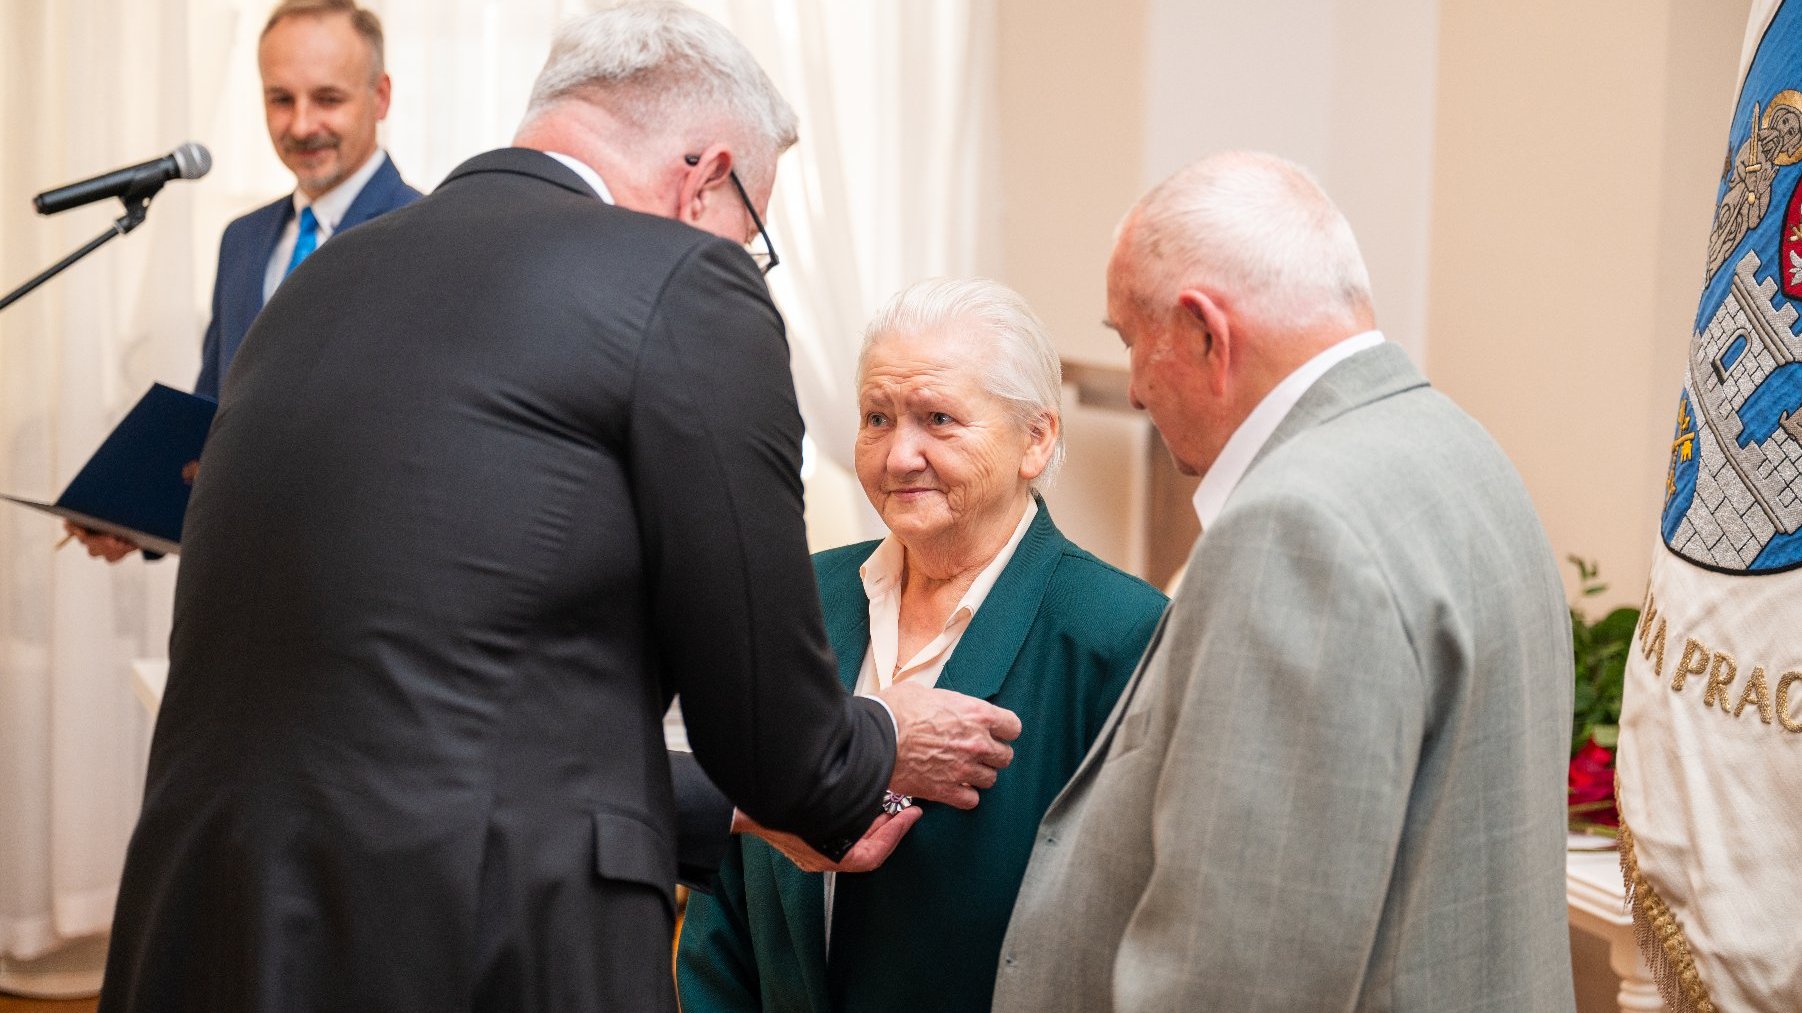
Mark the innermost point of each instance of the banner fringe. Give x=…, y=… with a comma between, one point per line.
x=1660, y=937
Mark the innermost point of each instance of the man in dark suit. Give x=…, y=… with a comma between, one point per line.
x=495, y=475
x=324, y=91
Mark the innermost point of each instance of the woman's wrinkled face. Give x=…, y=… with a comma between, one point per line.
x=936, y=453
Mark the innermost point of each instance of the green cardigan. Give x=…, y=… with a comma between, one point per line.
x=1055, y=642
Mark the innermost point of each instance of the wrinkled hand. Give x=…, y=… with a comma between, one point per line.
x=947, y=744
x=870, y=851
x=111, y=548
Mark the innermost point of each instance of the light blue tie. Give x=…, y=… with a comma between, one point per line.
x=306, y=242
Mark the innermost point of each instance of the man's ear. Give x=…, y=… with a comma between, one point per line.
x=1211, y=335
x=707, y=173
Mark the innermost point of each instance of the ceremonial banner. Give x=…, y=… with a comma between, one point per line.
x=1710, y=762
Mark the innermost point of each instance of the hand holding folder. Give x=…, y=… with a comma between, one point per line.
x=135, y=487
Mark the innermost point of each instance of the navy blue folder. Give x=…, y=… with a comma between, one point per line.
x=136, y=485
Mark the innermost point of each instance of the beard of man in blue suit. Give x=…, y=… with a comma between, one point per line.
x=324, y=91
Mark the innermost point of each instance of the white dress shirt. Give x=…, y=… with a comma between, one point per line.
x=882, y=574
x=328, y=209
x=1224, y=475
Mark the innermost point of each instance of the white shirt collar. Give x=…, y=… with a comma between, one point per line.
x=586, y=171
x=881, y=574
x=1224, y=475
x=330, y=207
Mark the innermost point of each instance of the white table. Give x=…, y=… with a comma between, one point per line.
x=1598, y=906
x=148, y=676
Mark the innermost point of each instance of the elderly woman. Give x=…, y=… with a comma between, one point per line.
x=976, y=590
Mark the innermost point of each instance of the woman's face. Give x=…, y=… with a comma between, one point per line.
x=936, y=453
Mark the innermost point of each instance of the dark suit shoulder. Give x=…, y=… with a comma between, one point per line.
x=530, y=181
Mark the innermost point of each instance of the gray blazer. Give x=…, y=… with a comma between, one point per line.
x=1336, y=781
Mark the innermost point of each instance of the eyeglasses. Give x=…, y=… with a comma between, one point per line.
x=766, y=258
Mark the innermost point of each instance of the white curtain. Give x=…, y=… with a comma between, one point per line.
x=892, y=182
x=88, y=86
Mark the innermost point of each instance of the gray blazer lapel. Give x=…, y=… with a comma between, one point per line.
x=1365, y=378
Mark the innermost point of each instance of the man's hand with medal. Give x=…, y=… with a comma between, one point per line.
x=870, y=851
x=949, y=748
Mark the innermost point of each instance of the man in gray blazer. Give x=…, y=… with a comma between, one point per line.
x=1337, y=780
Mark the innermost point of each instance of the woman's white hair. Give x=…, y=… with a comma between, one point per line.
x=664, y=66
x=1022, y=367
x=1258, y=226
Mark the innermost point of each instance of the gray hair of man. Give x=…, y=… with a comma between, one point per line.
x=668, y=70
x=1022, y=367
x=1257, y=226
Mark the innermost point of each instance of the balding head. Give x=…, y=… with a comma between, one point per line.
x=1225, y=279
x=1258, y=228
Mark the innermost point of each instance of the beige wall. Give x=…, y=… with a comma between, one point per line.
x=1578, y=148
x=1344, y=87
x=1531, y=180
x=1071, y=132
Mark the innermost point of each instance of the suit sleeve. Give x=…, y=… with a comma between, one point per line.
x=716, y=962
x=1280, y=803
x=703, y=823
x=714, y=448
x=207, y=383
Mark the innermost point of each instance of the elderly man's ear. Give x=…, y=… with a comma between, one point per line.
x=705, y=180
x=1210, y=335
x=1043, y=436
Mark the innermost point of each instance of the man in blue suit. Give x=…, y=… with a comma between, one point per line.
x=324, y=91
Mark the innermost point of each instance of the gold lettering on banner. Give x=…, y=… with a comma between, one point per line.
x=1654, y=649
x=1695, y=662
x=1755, y=688
x=1790, y=724
x=1777, y=703
x=1720, y=675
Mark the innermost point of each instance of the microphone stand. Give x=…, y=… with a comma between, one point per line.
x=137, y=207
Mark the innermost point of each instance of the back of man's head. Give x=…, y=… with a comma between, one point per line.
x=665, y=69
x=1257, y=228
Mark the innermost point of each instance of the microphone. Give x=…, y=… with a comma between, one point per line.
x=134, y=182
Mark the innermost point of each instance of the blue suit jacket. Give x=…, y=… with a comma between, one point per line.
x=244, y=259
x=1055, y=641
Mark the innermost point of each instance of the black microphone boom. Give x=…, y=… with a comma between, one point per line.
x=132, y=183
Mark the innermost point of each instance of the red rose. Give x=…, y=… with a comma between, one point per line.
x=1592, y=780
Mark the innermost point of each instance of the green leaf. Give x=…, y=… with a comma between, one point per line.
x=1599, y=653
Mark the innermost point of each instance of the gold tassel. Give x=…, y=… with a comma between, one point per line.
x=1660, y=937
